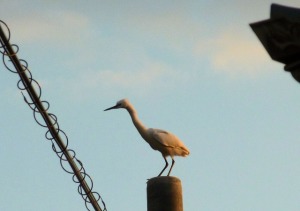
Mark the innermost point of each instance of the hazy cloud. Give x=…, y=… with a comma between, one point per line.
x=234, y=53
x=153, y=78
x=55, y=27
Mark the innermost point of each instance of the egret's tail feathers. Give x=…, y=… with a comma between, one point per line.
x=185, y=152
x=180, y=151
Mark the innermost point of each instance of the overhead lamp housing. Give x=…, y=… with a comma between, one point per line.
x=280, y=36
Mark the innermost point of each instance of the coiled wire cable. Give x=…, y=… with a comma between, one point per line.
x=32, y=92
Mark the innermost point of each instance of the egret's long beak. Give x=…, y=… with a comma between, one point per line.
x=113, y=107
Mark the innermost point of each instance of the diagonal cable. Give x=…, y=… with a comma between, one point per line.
x=58, y=137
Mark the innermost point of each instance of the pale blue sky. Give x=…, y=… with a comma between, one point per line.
x=193, y=68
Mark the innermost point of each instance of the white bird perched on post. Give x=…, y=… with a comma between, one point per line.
x=163, y=141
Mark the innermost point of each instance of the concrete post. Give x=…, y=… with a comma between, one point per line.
x=164, y=194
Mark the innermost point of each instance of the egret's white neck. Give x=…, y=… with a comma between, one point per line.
x=136, y=121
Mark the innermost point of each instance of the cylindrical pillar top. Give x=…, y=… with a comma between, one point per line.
x=164, y=194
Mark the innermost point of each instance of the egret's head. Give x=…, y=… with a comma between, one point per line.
x=124, y=103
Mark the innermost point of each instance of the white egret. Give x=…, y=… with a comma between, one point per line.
x=163, y=141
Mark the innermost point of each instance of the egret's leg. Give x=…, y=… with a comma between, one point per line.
x=173, y=161
x=164, y=167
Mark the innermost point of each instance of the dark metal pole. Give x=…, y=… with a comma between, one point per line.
x=164, y=194
x=14, y=59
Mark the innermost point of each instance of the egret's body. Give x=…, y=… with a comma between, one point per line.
x=163, y=141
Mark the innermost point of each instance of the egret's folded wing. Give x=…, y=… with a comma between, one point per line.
x=164, y=137
x=169, y=140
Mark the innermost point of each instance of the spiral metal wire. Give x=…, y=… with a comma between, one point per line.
x=65, y=155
